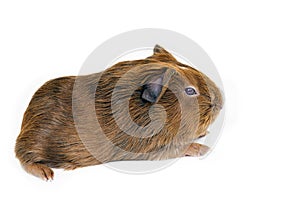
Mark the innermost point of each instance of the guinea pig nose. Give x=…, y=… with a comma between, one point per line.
x=220, y=106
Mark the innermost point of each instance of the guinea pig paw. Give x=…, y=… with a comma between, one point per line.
x=196, y=150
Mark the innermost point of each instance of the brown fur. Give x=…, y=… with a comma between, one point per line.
x=70, y=121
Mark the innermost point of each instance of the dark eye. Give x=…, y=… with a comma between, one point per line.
x=190, y=91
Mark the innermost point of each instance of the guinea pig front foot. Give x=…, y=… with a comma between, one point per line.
x=39, y=170
x=196, y=150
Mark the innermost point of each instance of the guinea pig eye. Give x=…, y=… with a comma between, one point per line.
x=190, y=91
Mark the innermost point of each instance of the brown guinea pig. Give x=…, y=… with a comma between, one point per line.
x=149, y=109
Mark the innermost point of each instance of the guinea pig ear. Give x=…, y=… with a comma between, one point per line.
x=160, y=51
x=156, y=87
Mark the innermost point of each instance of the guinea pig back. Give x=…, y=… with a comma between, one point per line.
x=148, y=109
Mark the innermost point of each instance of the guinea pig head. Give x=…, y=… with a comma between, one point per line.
x=164, y=98
x=195, y=92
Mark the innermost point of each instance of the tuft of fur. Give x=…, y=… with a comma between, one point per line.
x=79, y=121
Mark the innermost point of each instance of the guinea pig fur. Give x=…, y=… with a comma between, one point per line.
x=148, y=109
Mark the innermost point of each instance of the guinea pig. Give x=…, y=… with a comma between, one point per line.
x=148, y=109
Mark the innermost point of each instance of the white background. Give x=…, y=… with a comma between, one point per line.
x=255, y=46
